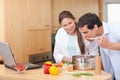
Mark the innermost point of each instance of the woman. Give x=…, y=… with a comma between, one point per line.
x=68, y=40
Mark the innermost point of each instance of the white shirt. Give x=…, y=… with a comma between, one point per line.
x=62, y=45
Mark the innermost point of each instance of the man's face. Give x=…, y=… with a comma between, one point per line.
x=88, y=33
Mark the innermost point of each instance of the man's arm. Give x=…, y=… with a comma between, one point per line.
x=103, y=42
x=114, y=45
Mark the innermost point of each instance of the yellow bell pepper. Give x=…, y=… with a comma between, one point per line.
x=53, y=70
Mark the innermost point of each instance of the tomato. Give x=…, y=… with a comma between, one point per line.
x=20, y=67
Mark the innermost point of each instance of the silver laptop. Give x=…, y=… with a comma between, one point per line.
x=9, y=60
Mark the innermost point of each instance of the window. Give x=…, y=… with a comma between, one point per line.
x=113, y=12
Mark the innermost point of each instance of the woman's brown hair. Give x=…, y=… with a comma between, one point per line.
x=80, y=42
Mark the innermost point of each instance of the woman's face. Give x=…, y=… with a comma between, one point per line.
x=69, y=25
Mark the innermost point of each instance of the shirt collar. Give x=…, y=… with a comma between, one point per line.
x=105, y=28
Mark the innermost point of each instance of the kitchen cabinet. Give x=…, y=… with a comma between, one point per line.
x=39, y=13
x=39, y=40
x=17, y=17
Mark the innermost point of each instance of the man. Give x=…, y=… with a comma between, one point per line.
x=107, y=36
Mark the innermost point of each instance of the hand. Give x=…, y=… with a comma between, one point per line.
x=103, y=42
x=67, y=59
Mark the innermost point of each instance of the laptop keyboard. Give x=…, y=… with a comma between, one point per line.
x=32, y=66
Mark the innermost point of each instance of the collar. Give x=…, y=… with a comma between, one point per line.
x=105, y=28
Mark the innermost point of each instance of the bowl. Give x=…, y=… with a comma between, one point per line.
x=20, y=68
x=83, y=62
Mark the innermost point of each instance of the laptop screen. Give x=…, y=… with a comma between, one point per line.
x=7, y=56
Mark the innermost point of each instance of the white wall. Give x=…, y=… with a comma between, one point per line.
x=105, y=2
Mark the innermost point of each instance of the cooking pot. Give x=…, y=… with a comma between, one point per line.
x=83, y=62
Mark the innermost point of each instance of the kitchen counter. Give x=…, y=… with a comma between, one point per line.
x=37, y=74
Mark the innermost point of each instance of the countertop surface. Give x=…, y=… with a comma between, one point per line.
x=37, y=74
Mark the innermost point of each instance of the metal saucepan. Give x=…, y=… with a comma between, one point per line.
x=83, y=62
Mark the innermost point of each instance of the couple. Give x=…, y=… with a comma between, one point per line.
x=84, y=36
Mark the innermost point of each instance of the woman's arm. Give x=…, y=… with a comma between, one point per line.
x=57, y=52
x=64, y=59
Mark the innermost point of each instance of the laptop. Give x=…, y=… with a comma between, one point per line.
x=9, y=60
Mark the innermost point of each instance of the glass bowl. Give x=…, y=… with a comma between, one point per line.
x=20, y=68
